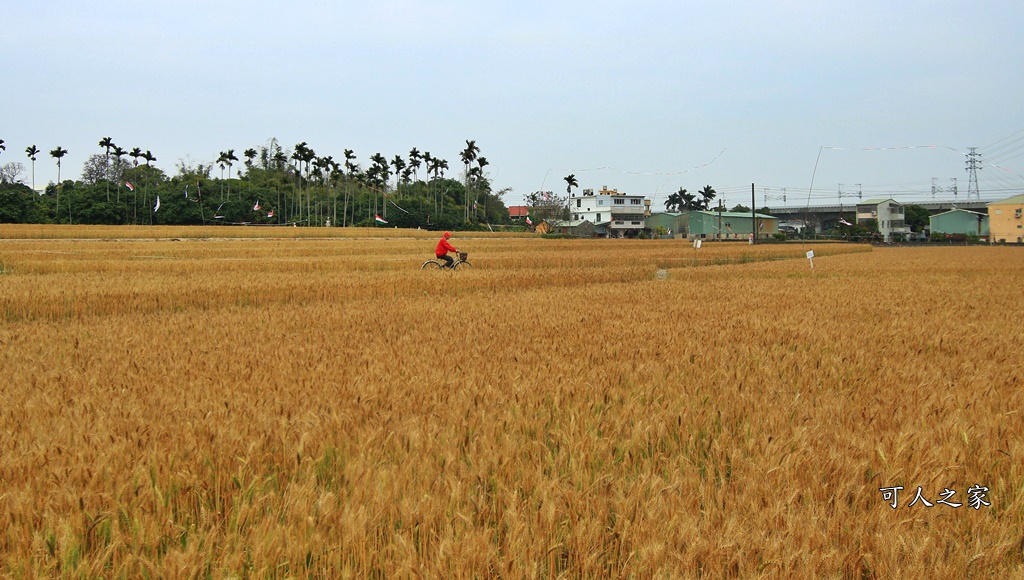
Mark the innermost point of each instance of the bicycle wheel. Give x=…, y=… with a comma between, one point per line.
x=430, y=265
x=463, y=265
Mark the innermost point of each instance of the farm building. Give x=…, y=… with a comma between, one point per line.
x=959, y=221
x=674, y=223
x=518, y=212
x=1005, y=222
x=729, y=225
x=578, y=228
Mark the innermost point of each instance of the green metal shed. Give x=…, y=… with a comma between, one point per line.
x=731, y=225
x=959, y=221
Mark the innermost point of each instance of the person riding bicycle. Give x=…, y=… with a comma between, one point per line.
x=442, y=249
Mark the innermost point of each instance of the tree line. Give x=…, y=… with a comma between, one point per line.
x=274, y=186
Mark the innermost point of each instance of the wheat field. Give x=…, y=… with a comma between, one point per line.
x=185, y=404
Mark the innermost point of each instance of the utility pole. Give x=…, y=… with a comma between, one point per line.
x=753, y=216
x=843, y=194
x=719, y=219
x=973, y=165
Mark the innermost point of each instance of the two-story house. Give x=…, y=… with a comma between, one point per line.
x=613, y=213
x=889, y=214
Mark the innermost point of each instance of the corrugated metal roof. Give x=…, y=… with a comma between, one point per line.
x=1010, y=200
x=736, y=214
x=956, y=209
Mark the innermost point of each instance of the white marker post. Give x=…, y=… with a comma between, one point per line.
x=696, y=246
x=810, y=258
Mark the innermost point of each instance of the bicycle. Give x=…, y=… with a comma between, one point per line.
x=461, y=261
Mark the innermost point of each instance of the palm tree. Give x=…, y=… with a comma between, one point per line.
x=32, y=151
x=707, y=194
x=350, y=169
x=414, y=162
x=150, y=158
x=481, y=162
x=229, y=156
x=468, y=156
x=380, y=171
x=399, y=164
x=570, y=182
x=118, y=154
x=675, y=200
x=108, y=144
x=249, y=155
x=136, y=153
x=57, y=154
x=2, y=146
x=222, y=161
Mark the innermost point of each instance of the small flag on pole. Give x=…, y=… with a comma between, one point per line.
x=379, y=219
x=270, y=214
x=157, y=206
x=844, y=222
x=130, y=186
x=257, y=206
x=529, y=222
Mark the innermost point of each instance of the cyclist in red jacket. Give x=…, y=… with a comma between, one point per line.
x=442, y=249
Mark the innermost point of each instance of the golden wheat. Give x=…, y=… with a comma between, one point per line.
x=324, y=407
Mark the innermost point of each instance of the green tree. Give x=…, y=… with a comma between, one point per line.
x=546, y=205
x=916, y=217
x=58, y=154
x=118, y=154
x=468, y=156
x=107, y=143
x=32, y=151
x=570, y=182
x=740, y=208
x=707, y=195
x=414, y=162
x=675, y=201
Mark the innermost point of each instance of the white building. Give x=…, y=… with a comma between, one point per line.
x=613, y=213
x=888, y=213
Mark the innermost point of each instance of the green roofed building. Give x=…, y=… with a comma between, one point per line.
x=674, y=223
x=959, y=221
x=729, y=225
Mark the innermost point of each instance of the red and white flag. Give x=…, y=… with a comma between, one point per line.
x=130, y=186
x=270, y=214
x=257, y=206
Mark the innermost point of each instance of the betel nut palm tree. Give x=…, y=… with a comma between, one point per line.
x=57, y=154
x=107, y=143
x=32, y=151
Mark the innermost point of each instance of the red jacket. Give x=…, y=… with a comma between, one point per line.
x=443, y=247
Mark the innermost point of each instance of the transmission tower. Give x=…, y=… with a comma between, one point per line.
x=973, y=165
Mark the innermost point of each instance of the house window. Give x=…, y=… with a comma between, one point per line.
x=600, y=202
x=619, y=202
x=598, y=217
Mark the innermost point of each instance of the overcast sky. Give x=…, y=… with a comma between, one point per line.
x=642, y=96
